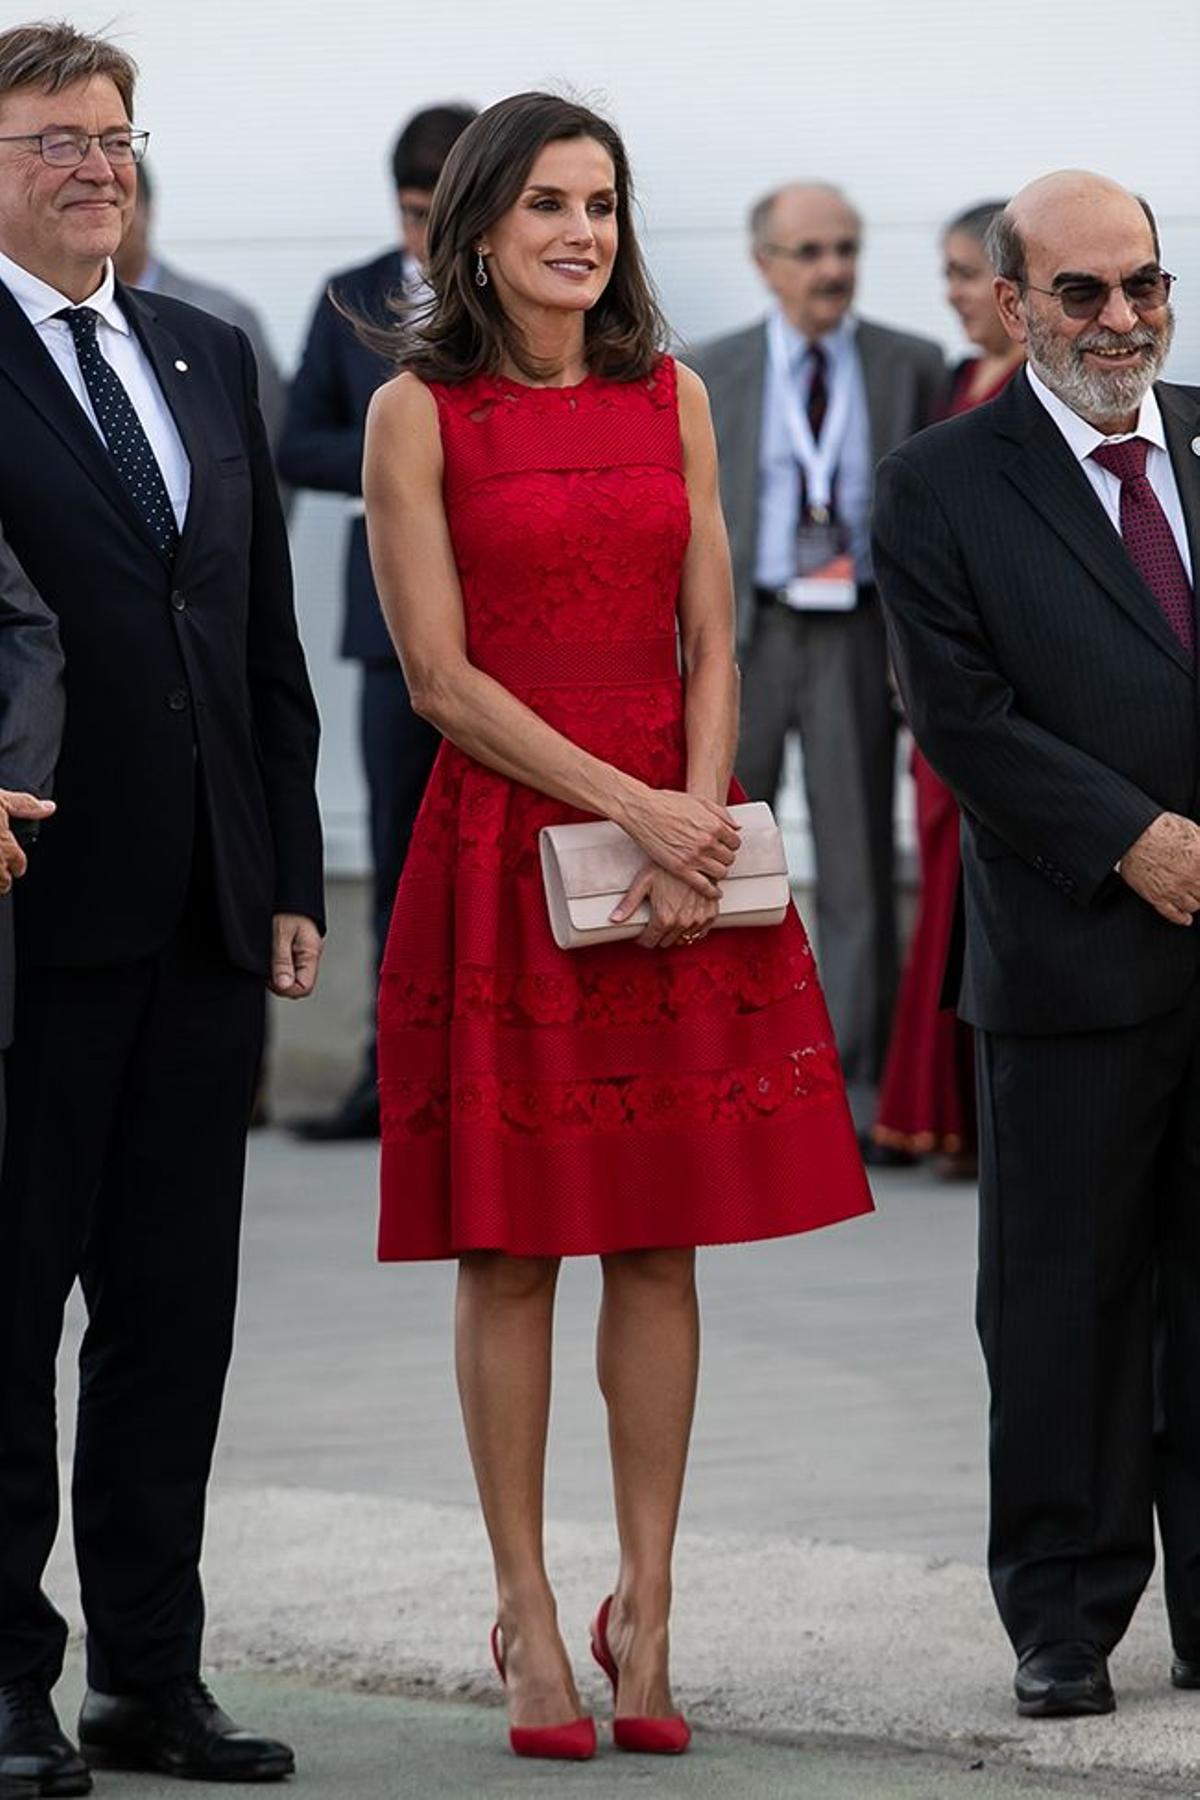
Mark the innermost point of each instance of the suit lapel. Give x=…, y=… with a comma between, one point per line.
x=1040, y=463
x=178, y=383
x=30, y=367
x=750, y=379
x=882, y=378
x=1181, y=423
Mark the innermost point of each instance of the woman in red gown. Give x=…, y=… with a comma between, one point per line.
x=544, y=526
x=927, y=1098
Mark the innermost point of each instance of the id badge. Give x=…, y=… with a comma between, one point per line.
x=824, y=580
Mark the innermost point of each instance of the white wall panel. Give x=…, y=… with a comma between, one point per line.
x=271, y=121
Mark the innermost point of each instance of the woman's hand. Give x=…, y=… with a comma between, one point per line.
x=693, y=839
x=678, y=914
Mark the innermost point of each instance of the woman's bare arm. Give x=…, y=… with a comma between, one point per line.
x=706, y=612
x=413, y=562
x=677, y=911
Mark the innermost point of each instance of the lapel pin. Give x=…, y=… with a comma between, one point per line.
x=183, y=369
x=1196, y=446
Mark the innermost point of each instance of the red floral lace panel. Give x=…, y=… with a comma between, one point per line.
x=805, y=1076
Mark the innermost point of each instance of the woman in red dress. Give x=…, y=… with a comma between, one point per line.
x=544, y=527
x=927, y=1099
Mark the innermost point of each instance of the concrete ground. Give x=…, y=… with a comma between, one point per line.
x=834, y=1633
x=356, y=1746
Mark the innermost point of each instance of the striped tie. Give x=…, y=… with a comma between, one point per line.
x=1148, y=538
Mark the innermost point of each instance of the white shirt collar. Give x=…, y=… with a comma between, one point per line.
x=39, y=301
x=836, y=342
x=1082, y=437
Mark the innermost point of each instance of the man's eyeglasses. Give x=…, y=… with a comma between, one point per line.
x=67, y=149
x=1146, y=292
x=844, y=248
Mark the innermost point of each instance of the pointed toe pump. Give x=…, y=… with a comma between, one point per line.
x=573, y=1742
x=668, y=1736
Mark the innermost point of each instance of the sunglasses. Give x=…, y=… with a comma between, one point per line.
x=1146, y=292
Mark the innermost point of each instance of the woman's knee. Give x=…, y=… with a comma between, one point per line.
x=507, y=1279
x=663, y=1272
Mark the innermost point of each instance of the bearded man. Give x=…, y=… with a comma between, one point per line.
x=1036, y=562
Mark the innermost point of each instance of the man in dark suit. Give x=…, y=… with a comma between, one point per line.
x=322, y=448
x=180, y=874
x=1036, y=559
x=31, y=713
x=804, y=405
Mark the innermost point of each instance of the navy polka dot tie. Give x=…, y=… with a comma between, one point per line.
x=1148, y=537
x=127, y=443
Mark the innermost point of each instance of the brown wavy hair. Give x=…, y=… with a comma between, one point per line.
x=464, y=330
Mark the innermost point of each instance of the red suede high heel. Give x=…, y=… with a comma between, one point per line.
x=653, y=1737
x=575, y=1742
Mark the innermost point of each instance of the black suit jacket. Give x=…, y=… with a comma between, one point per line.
x=181, y=681
x=31, y=715
x=322, y=442
x=1047, y=689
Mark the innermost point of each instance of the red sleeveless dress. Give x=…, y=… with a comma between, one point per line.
x=547, y=1102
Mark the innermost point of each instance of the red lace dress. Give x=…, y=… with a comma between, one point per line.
x=550, y=1102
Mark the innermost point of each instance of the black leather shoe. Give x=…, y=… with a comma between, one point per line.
x=1185, y=1671
x=355, y=1120
x=1058, y=1681
x=178, y=1729
x=36, y=1756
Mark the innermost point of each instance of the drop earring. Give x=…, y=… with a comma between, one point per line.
x=481, y=274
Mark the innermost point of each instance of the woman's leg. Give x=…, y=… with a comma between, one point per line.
x=647, y=1353
x=503, y=1328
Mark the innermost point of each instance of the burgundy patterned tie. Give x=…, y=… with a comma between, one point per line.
x=1148, y=537
x=818, y=388
x=816, y=360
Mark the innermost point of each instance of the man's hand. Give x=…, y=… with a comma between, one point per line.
x=295, y=956
x=1163, y=866
x=16, y=806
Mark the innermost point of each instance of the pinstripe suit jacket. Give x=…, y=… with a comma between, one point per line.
x=1044, y=684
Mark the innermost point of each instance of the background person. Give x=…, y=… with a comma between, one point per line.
x=543, y=513
x=144, y=952
x=139, y=265
x=804, y=404
x=927, y=1098
x=1067, y=728
x=323, y=448
x=31, y=715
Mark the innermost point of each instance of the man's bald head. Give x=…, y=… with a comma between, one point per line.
x=1033, y=216
x=798, y=197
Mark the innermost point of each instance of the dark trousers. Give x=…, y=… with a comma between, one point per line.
x=398, y=748
x=129, y=1089
x=1089, y=1315
x=825, y=676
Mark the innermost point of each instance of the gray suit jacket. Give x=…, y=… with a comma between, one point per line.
x=31, y=717
x=905, y=379
x=272, y=388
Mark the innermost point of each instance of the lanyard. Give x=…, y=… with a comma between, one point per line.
x=819, y=461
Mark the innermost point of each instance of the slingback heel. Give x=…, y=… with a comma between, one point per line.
x=651, y=1737
x=573, y=1742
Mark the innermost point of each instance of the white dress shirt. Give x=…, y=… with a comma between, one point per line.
x=1083, y=438
x=120, y=348
x=779, y=473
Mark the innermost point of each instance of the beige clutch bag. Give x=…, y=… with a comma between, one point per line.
x=587, y=869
